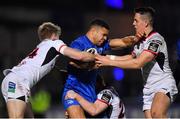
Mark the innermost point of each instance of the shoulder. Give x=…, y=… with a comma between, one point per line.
x=155, y=38
x=57, y=41
x=51, y=42
x=78, y=43
x=79, y=39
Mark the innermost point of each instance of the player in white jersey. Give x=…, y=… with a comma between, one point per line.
x=18, y=81
x=150, y=54
x=107, y=100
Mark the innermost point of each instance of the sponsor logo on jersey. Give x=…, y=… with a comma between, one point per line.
x=69, y=102
x=11, y=87
x=106, y=96
x=92, y=50
x=153, y=47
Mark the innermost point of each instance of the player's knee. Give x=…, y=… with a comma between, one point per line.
x=157, y=114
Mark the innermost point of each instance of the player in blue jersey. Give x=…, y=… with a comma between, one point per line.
x=83, y=81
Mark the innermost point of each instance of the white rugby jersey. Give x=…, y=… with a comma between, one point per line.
x=158, y=69
x=39, y=62
x=116, y=107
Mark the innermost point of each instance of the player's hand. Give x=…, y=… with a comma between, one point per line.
x=75, y=65
x=70, y=95
x=102, y=60
x=139, y=34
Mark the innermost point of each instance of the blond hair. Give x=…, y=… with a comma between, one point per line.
x=46, y=30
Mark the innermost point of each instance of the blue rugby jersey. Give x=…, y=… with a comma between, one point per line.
x=83, y=81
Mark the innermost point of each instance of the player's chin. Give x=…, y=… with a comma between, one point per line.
x=100, y=43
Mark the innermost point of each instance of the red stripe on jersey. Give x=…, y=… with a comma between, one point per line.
x=103, y=101
x=150, y=35
x=151, y=52
x=61, y=47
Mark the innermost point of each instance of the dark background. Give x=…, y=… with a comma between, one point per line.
x=20, y=19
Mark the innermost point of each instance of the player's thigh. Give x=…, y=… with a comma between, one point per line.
x=16, y=108
x=160, y=104
x=75, y=111
x=15, y=94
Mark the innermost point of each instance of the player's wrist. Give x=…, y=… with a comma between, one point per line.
x=112, y=57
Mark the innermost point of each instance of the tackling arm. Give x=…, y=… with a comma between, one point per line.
x=125, y=57
x=122, y=42
x=92, y=108
x=135, y=63
x=78, y=55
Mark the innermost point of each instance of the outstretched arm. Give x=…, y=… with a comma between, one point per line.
x=126, y=41
x=122, y=42
x=135, y=63
x=78, y=55
x=125, y=57
x=92, y=108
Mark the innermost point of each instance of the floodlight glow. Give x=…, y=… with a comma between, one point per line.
x=118, y=74
x=117, y=4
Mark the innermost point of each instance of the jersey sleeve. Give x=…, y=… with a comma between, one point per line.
x=153, y=45
x=105, y=96
x=59, y=46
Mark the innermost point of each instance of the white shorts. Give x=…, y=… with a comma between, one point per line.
x=169, y=88
x=13, y=87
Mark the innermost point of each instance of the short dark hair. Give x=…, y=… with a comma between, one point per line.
x=99, y=22
x=149, y=11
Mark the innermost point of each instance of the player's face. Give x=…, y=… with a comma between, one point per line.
x=139, y=24
x=100, y=35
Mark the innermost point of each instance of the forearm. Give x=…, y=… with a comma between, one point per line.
x=135, y=63
x=87, y=106
x=122, y=42
x=78, y=55
x=125, y=57
x=87, y=57
x=126, y=64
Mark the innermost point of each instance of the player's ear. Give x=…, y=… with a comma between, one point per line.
x=146, y=23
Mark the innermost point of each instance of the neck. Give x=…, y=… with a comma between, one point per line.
x=148, y=30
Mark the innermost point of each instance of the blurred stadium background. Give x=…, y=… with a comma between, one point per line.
x=20, y=19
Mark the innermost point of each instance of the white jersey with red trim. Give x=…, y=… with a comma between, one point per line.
x=158, y=69
x=39, y=62
x=116, y=108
